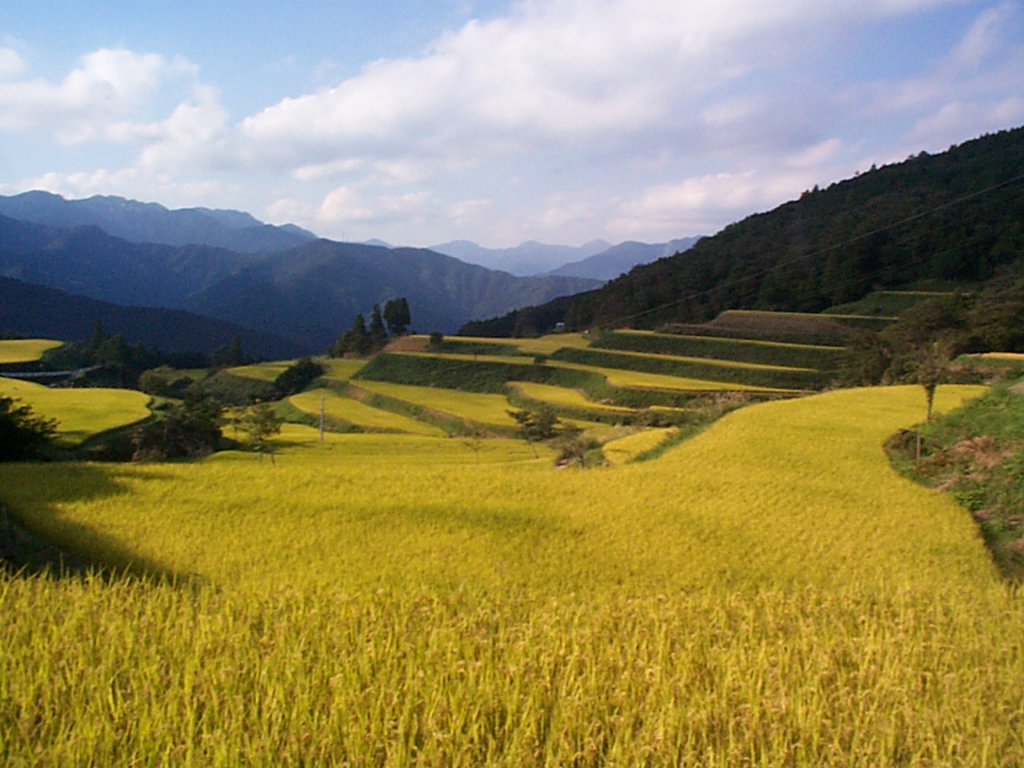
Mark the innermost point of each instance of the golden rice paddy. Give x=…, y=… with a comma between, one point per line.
x=767, y=593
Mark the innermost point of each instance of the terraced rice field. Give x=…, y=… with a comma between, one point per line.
x=347, y=410
x=25, y=350
x=624, y=449
x=336, y=369
x=340, y=369
x=628, y=379
x=299, y=444
x=767, y=593
x=564, y=396
x=474, y=406
x=261, y=371
x=80, y=413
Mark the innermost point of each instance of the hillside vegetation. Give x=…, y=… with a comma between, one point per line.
x=952, y=216
x=974, y=454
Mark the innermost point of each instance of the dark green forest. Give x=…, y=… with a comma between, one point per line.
x=950, y=219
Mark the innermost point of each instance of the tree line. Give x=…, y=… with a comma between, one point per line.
x=361, y=340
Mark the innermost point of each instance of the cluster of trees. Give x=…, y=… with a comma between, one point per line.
x=121, y=364
x=23, y=434
x=195, y=426
x=543, y=426
x=186, y=430
x=361, y=340
x=921, y=345
x=297, y=377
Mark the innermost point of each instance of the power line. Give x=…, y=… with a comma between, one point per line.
x=815, y=254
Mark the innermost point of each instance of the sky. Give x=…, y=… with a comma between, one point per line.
x=498, y=121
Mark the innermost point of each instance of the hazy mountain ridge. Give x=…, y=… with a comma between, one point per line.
x=309, y=294
x=312, y=293
x=140, y=222
x=619, y=259
x=530, y=258
x=90, y=262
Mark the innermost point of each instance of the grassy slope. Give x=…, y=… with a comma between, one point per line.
x=769, y=474
x=261, y=371
x=25, y=350
x=80, y=413
x=738, y=600
x=346, y=410
x=475, y=406
x=563, y=396
x=756, y=351
x=623, y=449
x=974, y=454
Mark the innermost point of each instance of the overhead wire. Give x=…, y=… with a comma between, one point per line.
x=814, y=254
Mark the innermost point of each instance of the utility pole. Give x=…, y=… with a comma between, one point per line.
x=321, y=414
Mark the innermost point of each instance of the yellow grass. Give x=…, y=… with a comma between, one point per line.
x=768, y=593
x=507, y=359
x=622, y=449
x=563, y=396
x=544, y=345
x=620, y=377
x=760, y=342
x=262, y=371
x=482, y=408
x=548, y=345
x=340, y=369
x=25, y=350
x=346, y=409
x=707, y=361
x=80, y=413
x=298, y=444
x=764, y=480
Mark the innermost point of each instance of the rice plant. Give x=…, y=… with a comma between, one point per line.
x=767, y=593
x=25, y=350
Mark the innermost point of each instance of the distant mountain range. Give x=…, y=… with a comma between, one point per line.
x=596, y=260
x=279, y=287
x=153, y=223
x=619, y=259
x=308, y=294
x=529, y=258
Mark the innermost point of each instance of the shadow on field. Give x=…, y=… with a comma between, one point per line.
x=72, y=548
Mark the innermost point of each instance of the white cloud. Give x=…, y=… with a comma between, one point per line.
x=10, y=63
x=984, y=38
x=818, y=155
x=957, y=120
x=349, y=209
x=566, y=73
x=702, y=205
x=192, y=136
x=126, y=182
x=91, y=102
x=564, y=119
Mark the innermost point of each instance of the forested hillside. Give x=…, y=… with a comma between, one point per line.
x=37, y=311
x=952, y=217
